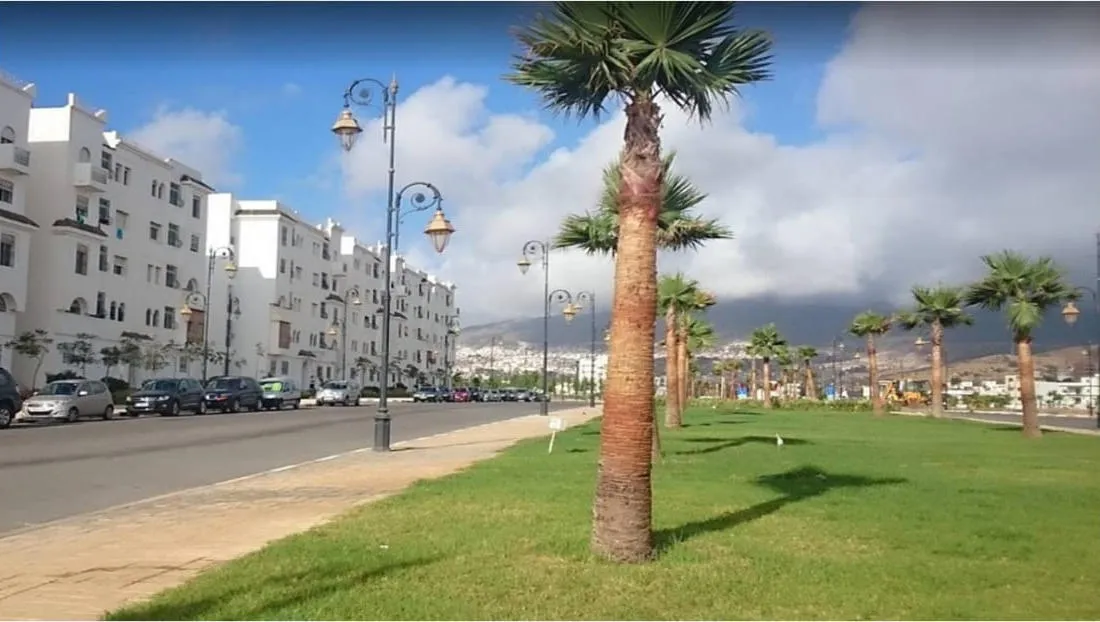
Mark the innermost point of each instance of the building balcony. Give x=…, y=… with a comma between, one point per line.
x=14, y=159
x=88, y=176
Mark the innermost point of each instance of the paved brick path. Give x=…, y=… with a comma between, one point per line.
x=80, y=567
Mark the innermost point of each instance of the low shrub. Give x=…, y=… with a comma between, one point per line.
x=63, y=375
x=802, y=405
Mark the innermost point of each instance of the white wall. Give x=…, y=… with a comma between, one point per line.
x=15, y=233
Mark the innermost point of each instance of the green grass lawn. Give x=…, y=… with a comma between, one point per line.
x=853, y=518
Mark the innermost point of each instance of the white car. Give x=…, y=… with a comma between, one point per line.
x=344, y=392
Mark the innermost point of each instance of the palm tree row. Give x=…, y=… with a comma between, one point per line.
x=1024, y=288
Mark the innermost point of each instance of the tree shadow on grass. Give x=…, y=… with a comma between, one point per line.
x=295, y=588
x=795, y=485
x=727, y=443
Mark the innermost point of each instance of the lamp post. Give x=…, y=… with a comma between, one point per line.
x=838, y=344
x=492, y=351
x=351, y=296
x=232, y=311
x=453, y=329
x=439, y=230
x=535, y=249
x=590, y=299
x=1070, y=313
x=192, y=298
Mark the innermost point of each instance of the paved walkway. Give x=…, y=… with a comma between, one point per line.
x=80, y=567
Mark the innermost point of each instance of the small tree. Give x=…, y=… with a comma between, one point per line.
x=131, y=355
x=111, y=356
x=154, y=357
x=79, y=352
x=34, y=344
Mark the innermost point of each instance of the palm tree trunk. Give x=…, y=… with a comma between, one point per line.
x=656, y=453
x=722, y=385
x=685, y=376
x=672, y=371
x=872, y=365
x=1026, y=364
x=767, y=373
x=622, y=513
x=752, y=381
x=937, y=370
x=811, y=390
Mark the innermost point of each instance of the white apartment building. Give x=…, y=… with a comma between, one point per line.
x=120, y=237
x=295, y=282
x=16, y=228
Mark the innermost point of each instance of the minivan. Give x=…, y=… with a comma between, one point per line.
x=279, y=391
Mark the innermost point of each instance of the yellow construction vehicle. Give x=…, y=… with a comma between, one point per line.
x=909, y=393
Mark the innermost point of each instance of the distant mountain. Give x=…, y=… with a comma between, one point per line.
x=811, y=322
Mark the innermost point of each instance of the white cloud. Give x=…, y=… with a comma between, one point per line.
x=206, y=141
x=955, y=129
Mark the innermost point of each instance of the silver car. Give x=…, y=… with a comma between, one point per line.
x=339, y=392
x=69, y=400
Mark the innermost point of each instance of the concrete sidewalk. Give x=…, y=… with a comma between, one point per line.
x=83, y=566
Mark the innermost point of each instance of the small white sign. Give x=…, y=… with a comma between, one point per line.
x=557, y=424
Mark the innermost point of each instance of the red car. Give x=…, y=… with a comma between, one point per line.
x=460, y=395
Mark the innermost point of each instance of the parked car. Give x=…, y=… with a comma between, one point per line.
x=461, y=394
x=509, y=394
x=427, y=394
x=476, y=395
x=490, y=395
x=166, y=396
x=537, y=396
x=232, y=393
x=279, y=391
x=522, y=395
x=69, y=400
x=11, y=401
x=333, y=392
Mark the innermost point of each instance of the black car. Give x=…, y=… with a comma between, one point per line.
x=10, y=400
x=166, y=396
x=232, y=393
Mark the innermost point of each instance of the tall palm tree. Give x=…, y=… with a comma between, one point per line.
x=697, y=334
x=784, y=362
x=1025, y=288
x=676, y=296
x=754, y=385
x=767, y=344
x=936, y=309
x=700, y=301
x=597, y=232
x=807, y=354
x=869, y=325
x=735, y=367
x=577, y=57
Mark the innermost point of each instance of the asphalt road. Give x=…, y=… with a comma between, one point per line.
x=55, y=471
x=1080, y=423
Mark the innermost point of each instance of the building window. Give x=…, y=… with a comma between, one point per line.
x=7, y=135
x=82, y=209
x=156, y=318
x=160, y=195
x=114, y=311
x=282, y=266
x=81, y=259
x=170, y=276
x=104, y=265
x=174, y=236
x=118, y=178
x=122, y=312
x=154, y=232
x=284, y=335
x=126, y=176
x=194, y=243
x=101, y=304
x=174, y=195
x=169, y=318
x=196, y=206
x=119, y=265
x=7, y=250
x=283, y=235
x=153, y=189
x=104, y=211
x=7, y=191
x=106, y=161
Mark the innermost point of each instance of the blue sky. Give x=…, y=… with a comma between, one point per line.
x=241, y=57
